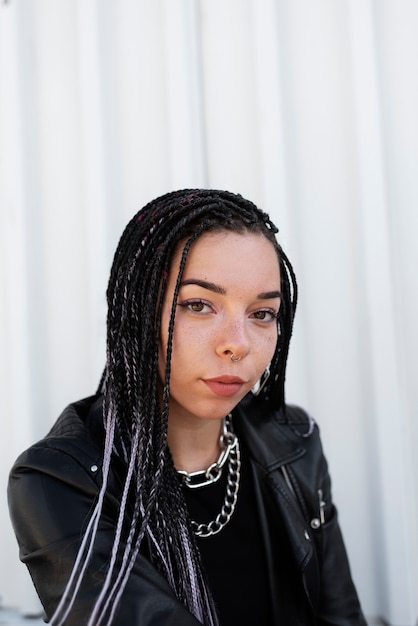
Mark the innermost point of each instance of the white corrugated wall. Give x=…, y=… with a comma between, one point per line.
x=308, y=108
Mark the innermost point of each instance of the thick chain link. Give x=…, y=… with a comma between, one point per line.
x=195, y=480
x=202, y=478
x=230, y=501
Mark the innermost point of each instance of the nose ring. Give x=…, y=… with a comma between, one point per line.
x=236, y=359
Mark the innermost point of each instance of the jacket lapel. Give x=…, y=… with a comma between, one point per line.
x=274, y=448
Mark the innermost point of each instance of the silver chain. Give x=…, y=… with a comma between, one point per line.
x=194, y=480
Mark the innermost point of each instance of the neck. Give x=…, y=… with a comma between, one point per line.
x=194, y=445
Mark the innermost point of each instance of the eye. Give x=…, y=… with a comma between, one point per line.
x=264, y=315
x=196, y=306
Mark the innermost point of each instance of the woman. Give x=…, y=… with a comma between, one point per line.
x=186, y=491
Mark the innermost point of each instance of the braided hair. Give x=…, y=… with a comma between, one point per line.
x=153, y=512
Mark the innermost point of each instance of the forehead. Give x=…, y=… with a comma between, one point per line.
x=229, y=256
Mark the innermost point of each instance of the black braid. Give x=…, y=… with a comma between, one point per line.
x=135, y=296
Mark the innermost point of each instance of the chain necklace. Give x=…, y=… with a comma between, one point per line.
x=195, y=480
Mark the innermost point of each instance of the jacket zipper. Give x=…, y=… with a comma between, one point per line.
x=316, y=522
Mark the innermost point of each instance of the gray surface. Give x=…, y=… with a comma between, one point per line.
x=9, y=617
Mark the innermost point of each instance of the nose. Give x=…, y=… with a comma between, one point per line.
x=234, y=342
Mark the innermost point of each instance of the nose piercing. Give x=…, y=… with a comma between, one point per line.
x=236, y=359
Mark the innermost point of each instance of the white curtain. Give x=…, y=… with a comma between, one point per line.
x=308, y=108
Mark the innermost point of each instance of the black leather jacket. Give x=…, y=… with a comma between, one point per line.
x=53, y=484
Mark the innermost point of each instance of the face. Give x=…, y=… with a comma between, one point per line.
x=228, y=304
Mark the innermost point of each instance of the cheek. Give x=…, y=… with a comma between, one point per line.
x=269, y=346
x=191, y=341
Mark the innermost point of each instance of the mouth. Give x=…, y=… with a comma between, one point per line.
x=224, y=386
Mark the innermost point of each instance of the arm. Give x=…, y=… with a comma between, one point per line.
x=51, y=495
x=338, y=603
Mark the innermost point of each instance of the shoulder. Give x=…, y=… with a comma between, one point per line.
x=66, y=462
x=290, y=427
x=296, y=419
x=76, y=433
x=53, y=483
x=287, y=443
x=277, y=438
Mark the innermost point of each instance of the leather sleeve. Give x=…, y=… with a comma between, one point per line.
x=50, y=498
x=338, y=603
x=287, y=453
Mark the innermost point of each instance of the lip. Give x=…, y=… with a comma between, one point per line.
x=225, y=385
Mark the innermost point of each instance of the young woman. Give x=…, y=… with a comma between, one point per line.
x=186, y=491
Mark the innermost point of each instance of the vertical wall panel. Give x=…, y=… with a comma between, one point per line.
x=133, y=69
x=229, y=96
x=382, y=392
x=94, y=201
x=17, y=426
x=397, y=45
x=186, y=144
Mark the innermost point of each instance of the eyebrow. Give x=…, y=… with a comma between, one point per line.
x=269, y=295
x=265, y=295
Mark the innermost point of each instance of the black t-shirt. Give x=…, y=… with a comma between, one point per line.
x=234, y=559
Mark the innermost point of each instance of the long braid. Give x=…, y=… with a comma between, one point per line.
x=152, y=504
